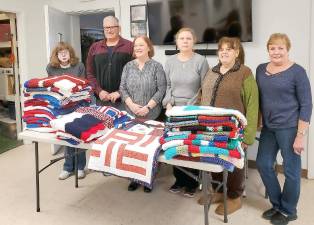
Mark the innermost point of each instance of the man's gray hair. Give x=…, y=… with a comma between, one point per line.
x=112, y=18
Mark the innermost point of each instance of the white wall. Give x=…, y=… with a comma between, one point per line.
x=311, y=130
x=83, y=6
x=268, y=17
x=287, y=16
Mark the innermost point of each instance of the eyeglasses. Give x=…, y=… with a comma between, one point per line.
x=110, y=28
x=63, y=52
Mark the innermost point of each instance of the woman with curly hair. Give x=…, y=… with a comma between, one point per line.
x=64, y=61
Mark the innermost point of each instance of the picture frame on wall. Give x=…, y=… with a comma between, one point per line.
x=138, y=28
x=138, y=13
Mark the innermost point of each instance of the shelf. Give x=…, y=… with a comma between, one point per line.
x=6, y=71
x=4, y=16
x=10, y=98
x=5, y=44
x=4, y=116
x=7, y=120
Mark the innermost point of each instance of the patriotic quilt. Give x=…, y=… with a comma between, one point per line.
x=130, y=154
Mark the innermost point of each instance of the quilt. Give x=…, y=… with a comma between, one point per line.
x=125, y=153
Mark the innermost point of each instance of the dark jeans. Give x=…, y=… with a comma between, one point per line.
x=235, y=183
x=271, y=140
x=69, y=159
x=184, y=180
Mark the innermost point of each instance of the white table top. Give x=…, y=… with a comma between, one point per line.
x=50, y=138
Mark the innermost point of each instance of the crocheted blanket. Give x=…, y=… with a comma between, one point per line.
x=231, y=144
x=65, y=84
x=85, y=127
x=219, y=138
x=188, y=149
x=205, y=110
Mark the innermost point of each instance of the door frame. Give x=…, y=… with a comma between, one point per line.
x=310, y=140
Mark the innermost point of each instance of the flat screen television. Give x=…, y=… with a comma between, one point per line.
x=211, y=19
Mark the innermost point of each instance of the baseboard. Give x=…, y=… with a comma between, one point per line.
x=279, y=168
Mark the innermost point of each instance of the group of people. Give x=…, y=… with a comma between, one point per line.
x=124, y=75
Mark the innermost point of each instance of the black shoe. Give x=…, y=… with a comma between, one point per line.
x=147, y=190
x=189, y=192
x=132, y=186
x=280, y=219
x=106, y=174
x=269, y=213
x=175, y=188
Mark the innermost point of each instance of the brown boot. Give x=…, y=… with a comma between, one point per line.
x=216, y=198
x=232, y=206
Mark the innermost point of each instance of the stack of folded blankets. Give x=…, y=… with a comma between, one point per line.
x=47, y=98
x=206, y=134
x=86, y=124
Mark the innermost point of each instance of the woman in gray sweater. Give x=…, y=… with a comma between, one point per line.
x=184, y=72
x=143, y=85
x=143, y=82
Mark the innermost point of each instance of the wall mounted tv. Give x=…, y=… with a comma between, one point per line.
x=211, y=19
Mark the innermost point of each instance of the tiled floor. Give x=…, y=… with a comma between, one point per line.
x=105, y=200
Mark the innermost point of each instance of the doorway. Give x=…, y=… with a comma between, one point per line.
x=91, y=30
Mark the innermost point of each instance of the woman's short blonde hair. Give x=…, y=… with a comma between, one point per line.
x=54, y=60
x=149, y=43
x=188, y=30
x=279, y=38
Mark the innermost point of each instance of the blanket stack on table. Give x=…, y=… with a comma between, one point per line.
x=86, y=124
x=131, y=152
x=205, y=133
x=47, y=98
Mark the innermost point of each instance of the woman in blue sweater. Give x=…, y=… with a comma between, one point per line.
x=286, y=106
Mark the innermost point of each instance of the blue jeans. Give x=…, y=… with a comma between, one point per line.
x=69, y=159
x=271, y=140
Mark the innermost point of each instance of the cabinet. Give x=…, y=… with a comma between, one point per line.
x=8, y=57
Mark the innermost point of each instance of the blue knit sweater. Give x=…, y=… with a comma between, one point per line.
x=285, y=97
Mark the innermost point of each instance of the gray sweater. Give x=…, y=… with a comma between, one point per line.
x=143, y=85
x=184, y=79
x=285, y=97
x=76, y=70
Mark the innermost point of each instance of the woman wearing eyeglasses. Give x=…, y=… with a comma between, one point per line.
x=64, y=61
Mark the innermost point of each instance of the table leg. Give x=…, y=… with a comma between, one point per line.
x=205, y=194
x=75, y=168
x=37, y=178
x=225, y=176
